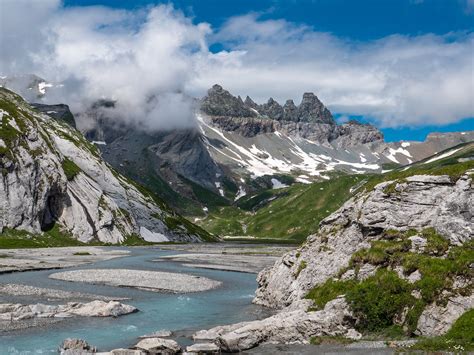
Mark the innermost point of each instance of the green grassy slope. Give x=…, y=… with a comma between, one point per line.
x=291, y=213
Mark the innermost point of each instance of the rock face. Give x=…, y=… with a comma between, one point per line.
x=437, y=319
x=59, y=112
x=382, y=214
x=158, y=346
x=52, y=175
x=17, y=312
x=76, y=346
x=419, y=202
x=289, y=326
x=312, y=109
x=220, y=102
x=310, y=120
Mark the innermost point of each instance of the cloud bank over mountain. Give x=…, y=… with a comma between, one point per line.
x=152, y=60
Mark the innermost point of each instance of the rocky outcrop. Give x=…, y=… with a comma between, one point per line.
x=312, y=110
x=310, y=120
x=290, y=111
x=52, y=174
x=415, y=203
x=437, y=319
x=158, y=346
x=73, y=346
x=272, y=109
x=292, y=325
x=354, y=133
x=220, y=102
x=18, y=312
x=60, y=112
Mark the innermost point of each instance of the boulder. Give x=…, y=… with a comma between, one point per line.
x=74, y=346
x=158, y=334
x=203, y=348
x=158, y=346
x=289, y=326
x=126, y=352
x=437, y=319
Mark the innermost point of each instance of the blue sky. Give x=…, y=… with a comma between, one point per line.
x=361, y=20
x=404, y=65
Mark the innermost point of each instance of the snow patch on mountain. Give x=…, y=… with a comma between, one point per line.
x=442, y=156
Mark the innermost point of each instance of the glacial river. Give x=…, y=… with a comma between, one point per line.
x=183, y=314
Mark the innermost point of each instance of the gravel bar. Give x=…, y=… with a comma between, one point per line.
x=156, y=281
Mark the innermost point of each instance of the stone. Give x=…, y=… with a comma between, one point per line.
x=417, y=244
x=203, y=348
x=437, y=319
x=288, y=326
x=74, y=346
x=366, y=271
x=126, y=352
x=157, y=334
x=414, y=277
x=353, y=334
x=158, y=346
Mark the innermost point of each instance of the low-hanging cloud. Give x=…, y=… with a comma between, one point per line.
x=152, y=60
x=141, y=60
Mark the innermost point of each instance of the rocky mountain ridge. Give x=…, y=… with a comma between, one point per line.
x=220, y=102
x=52, y=176
x=310, y=120
x=239, y=147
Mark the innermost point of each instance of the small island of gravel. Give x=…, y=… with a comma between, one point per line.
x=156, y=281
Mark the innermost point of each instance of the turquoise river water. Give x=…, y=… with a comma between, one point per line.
x=184, y=313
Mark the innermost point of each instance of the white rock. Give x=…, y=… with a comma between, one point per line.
x=436, y=320
x=203, y=348
x=158, y=346
x=295, y=326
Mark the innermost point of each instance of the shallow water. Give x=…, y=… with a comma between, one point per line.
x=229, y=303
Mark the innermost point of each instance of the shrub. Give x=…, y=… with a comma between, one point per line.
x=328, y=291
x=435, y=244
x=376, y=300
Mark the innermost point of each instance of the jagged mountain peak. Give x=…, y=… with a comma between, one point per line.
x=220, y=102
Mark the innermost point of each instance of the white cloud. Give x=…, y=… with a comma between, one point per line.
x=150, y=59
x=140, y=59
x=398, y=80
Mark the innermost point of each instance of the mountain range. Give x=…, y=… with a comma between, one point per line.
x=238, y=147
